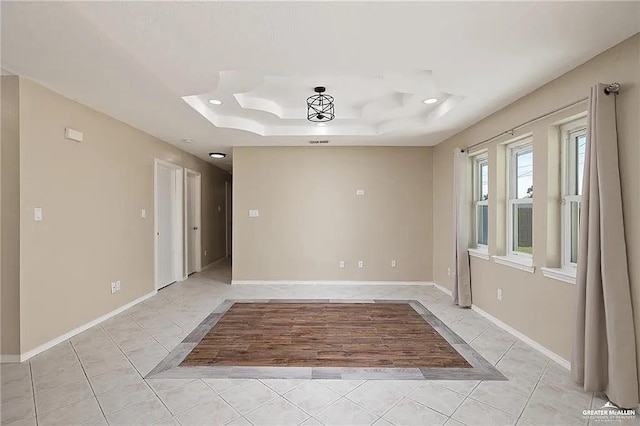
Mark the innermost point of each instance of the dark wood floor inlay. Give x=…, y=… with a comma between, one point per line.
x=324, y=335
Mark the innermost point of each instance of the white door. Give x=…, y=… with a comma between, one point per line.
x=166, y=219
x=193, y=225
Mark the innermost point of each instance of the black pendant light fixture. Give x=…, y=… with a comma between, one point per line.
x=320, y=106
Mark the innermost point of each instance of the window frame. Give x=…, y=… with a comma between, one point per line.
x=513, y=149
x=568, y=170
x=478, y=160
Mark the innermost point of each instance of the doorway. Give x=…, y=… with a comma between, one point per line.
x=228, y=215
x=193, y=231
x=168, y=205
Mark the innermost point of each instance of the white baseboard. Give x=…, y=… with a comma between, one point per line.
x=51, y=343
x=319, y=282
x=9, y=358
x=529, y=341
x=443, y=289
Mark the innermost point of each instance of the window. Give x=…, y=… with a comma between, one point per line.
x=481, y=200
x=520, y=199
x=574, y=139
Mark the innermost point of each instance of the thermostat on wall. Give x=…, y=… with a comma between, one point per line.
x=74, y=135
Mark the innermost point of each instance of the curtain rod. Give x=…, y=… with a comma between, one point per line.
x=609, y=89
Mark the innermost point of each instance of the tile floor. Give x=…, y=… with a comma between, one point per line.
x=172, y=367
x=96, y=378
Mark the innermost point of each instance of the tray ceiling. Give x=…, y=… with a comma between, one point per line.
x=139, y=61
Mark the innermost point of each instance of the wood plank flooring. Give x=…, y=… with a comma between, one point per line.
x=324, y=335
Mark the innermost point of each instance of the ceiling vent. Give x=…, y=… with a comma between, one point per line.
x=318, y=142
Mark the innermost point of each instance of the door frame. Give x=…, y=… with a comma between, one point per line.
x=228, y=209
x=198, y=203
x=178, y=227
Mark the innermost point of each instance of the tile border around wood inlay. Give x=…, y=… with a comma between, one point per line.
x=169, y=367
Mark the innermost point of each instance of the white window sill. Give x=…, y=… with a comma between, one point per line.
x=521, y=263
x=568, y=275
x=479, y=253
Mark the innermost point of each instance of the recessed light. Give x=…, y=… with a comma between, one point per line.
x=430, y=101
x=217, y=154
x=215, y=101
x=320, y=124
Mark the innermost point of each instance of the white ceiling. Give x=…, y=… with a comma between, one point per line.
x=366, y=105
x=136, y=61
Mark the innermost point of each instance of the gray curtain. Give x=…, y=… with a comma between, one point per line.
x=461, y=288
x=604, y=352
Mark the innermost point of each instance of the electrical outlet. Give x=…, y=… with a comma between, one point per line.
x=205, y=252
x=118, y=285
x=342, y=263
x=113, y=287
x=360, y=264
x=448, y=271
x=393, y=264
x=499, y=294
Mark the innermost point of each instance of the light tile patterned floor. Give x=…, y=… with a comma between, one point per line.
x=96, y=378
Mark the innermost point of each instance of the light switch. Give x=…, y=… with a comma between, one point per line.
x=37, y=214
x=73, y=134
x=254, y=213
x=143, y=213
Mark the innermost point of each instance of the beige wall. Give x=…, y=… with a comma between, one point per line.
x=539, y=307
x=91, y=194
x=311, y=218
x=10, y=219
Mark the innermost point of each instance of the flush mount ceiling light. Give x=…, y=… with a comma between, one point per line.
x=320, y=106
x=215, y=102
x=217, y=154
x=430, y=101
